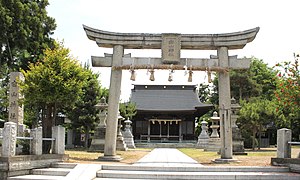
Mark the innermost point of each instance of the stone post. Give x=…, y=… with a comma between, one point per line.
x=284, y=136
x=37, y=141
x=9, y=139
x=58, y=145
x=224, y=104
x=113, y=106
x=70, y=139
x=16, y=112
x=203, y=137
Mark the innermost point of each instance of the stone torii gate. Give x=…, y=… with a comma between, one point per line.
x=170, y=44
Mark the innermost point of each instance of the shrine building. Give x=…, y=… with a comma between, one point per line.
x=166, y=113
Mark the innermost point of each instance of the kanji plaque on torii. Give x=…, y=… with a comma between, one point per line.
x=170, y=44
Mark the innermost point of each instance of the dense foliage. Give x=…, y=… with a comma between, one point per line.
x=25, y=30
x=255, y=89
x=53, y=84
x=84, y=113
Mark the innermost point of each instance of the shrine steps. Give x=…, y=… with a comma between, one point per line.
x=98, y=172
x=166, y=145
x=62, y=171
x=197, y=172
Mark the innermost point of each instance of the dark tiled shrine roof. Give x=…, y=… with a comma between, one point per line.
x=168, y=98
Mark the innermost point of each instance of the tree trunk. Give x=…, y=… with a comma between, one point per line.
x=253, y=139
x=240, y=93
x=47, y=128
x=259, y=138
x=87, y=135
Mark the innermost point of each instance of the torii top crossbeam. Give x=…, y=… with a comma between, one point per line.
x=235, y=40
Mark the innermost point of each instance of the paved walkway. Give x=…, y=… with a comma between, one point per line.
x=166, y=157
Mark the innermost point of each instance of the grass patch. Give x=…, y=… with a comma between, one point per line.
x=203, y=157
x=296, y=146
x=129, y=157
x=262, y=153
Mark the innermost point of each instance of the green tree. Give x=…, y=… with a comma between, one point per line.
x=127, y=110
x=84, y=113
x=257, y=81
x=25, y=31
x=287, y=94
x=255, y=115
x=205, y=92
x=53, y=84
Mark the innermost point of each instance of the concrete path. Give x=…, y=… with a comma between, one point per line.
x=166, y=157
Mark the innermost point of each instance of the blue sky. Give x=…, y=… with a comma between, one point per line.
x=278, y=39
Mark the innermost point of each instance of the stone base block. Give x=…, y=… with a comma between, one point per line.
x=202, y=143
x=69, y=146
x=110, y=158
x=21, y=165
x=284, y=161
x=97, y=145
x=240, y=153
x=214, y=144
x=121, y=146
x=224, y=161
x=129, y=143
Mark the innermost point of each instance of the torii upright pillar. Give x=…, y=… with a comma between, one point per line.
x=113, y=108
x=224, y=105
x=170, y=44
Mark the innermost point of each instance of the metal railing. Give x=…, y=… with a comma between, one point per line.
x=294, y=143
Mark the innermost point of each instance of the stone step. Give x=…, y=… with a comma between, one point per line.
x=51, y=171
x=36, y=177
x=64, y=165
x=196, y=168
x=165, y=145
x=195, y=175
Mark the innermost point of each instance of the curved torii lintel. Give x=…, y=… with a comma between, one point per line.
x=235, y=40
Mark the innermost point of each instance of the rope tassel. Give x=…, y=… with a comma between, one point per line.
x=133, y=75
x=209, y=76
x=152, y=78
x=190, y=78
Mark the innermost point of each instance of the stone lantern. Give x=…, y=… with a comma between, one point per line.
x=128, y=137
x=102, y=106
x=98, y=141
x=215, y=125
x=203, y=138
x=214, y=142
x=121, y=146
x=237, y=140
